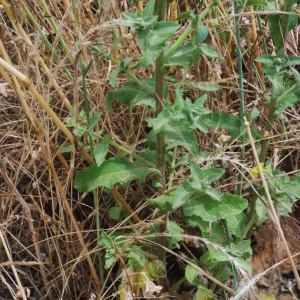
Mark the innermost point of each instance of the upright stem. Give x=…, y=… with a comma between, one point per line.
x=161, y=8
x=241, y=85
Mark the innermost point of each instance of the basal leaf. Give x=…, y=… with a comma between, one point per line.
x=113, y=171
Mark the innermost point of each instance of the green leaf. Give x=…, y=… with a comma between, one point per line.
x=163, y=202
x=113, y=171
x=292, y=188
x=202, y=32
x=210, y=210
x=192, y=275
x=110, y=253
x=131, y=94
x=204, y=294
x=115, y=213
x=101, y=150
x=236, y=224
x=67, y=149
x=276, y=22
x=152, y=40
x=185, y=56
x=206, y=176
x=226, y=121
x=287, y=101
x=149, y=8
x=209, y=51
x=136, y=258
x=135, y=20
x=94, y=120
x=181, y=135
x=174, y=228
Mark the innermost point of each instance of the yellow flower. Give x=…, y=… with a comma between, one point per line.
x=255, y=172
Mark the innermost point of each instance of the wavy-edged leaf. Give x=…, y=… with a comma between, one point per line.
x=210, y=210
x=113, y=171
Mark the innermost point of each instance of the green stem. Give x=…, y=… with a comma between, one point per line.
x=241, y=87
x=161, y=6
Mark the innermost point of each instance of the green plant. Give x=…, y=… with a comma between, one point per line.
x=175, y=122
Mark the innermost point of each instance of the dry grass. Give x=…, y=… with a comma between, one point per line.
x=48, y=230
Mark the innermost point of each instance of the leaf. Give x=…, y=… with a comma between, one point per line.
x=101, y=149
x=209, y=51
x=115, y=213
x=276, y=22
x=226, y=121
x=131, y=94
x=94, y=120
x=236, y=224
x=202, y=32
x=67, y=149
x=192, y=275
x=181, y=135
x=206, y=176
x=210, y=210
x=204, y=294
x=136, y=258
x=293, y=187
x=149, y=8
x=287, y=100
x=110, y=253
x=184, y=56
x=152, y=40
x=135, y=20
x=177, y=231
x=113, y=171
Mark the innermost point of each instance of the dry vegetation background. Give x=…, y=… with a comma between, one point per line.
x=48, y=230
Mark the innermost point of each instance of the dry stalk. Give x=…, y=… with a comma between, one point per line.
x=7, y=251
x=35, y=239
x=25, y=80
